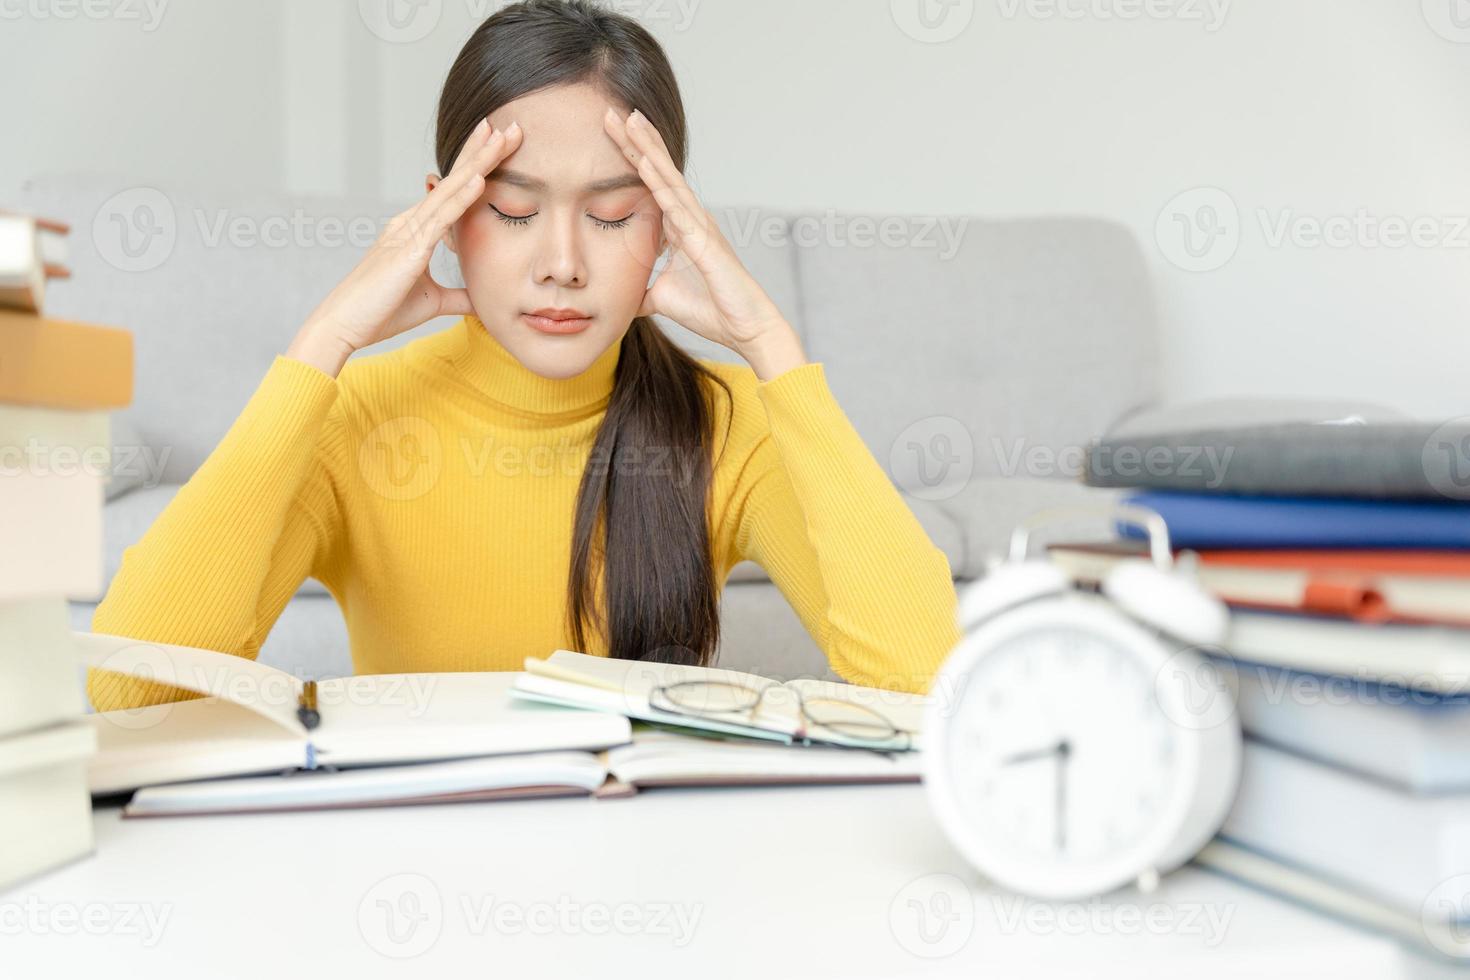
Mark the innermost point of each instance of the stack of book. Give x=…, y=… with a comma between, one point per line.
x=1343, y=550
x=58, y=381
x=570, y=724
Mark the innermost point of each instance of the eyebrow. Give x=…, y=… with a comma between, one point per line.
x=519, y=179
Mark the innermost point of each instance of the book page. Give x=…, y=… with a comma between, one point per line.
x=619, y=675
x=370, y=719
x=667, y=758
x=825, y=701
x=730, y=700
x=197, y=739
x=708, y=694
x=269, y=692
x=572, y=694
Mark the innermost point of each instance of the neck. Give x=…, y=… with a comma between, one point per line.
x=494, y=370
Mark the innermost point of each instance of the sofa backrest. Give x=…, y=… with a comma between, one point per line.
x=934, y=331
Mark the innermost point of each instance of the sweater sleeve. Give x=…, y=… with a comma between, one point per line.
x=219, y=564
x=818, y=512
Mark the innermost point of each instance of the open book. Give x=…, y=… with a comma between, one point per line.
x=654, y=758
x=729, y=701
x=252, y=720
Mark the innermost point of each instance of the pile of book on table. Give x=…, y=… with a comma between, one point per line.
x=1343, y=550
x=570, y=724
x=58, y=381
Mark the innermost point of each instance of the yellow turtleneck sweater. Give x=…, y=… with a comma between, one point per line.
x=431, y=488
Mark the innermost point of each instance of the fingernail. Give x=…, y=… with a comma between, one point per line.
x=480, y=126
x=513, y=127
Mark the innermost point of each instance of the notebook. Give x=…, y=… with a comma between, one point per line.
x=1326, y=893
x=1412, y=739
x=1216, y=520
x=1407, y=460
x=1421, y=658
x=655, y=758
x=1381, y=840
x=730, y=701
x=251, y=722
x=1369, y=585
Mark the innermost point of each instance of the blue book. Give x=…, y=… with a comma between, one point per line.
x=1212, y=520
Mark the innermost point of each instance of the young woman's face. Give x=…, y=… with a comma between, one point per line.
x=565, y=222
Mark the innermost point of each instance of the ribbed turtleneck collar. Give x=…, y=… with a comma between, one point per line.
x=492, y=369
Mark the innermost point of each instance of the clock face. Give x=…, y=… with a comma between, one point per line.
x=1057, y=755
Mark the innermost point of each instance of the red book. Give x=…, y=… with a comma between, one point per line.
x=1368, y=586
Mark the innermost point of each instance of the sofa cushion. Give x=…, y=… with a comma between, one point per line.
x=1006, y=345
x=987, y=509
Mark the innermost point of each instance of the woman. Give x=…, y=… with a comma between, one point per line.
x=551, y=471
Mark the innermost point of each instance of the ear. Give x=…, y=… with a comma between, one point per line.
x=430, y=182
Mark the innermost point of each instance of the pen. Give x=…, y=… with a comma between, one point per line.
x=306, y=710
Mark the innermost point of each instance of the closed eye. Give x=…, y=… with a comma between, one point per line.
x=524, y=219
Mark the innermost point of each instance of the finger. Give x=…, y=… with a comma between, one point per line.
x=480, y=161
x=689, y=231
x=463, y=187
x=478, y=137
x=418, y=230
x=648, y=141
x=617, y=128
x=695, y=230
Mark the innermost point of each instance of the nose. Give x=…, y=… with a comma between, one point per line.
x=559, y=257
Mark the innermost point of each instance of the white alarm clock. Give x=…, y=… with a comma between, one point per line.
x=1074, y=741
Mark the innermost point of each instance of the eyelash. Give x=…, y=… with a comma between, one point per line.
x=523, y=219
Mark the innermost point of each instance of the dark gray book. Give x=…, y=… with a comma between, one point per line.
x=1402, y=460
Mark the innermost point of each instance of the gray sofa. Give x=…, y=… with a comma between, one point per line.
x=970, y=354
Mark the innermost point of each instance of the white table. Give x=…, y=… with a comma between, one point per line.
x=768, y=882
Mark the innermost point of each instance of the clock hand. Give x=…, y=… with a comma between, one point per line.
x=1064, y=752
x=1033, y=754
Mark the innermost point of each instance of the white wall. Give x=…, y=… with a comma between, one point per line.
x=1304, y=109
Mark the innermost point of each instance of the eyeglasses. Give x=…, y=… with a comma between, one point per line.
x=724, y=700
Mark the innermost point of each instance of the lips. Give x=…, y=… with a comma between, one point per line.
x=559, y=313
x=558, y=320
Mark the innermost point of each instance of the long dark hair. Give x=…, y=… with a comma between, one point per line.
x=649, y=535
